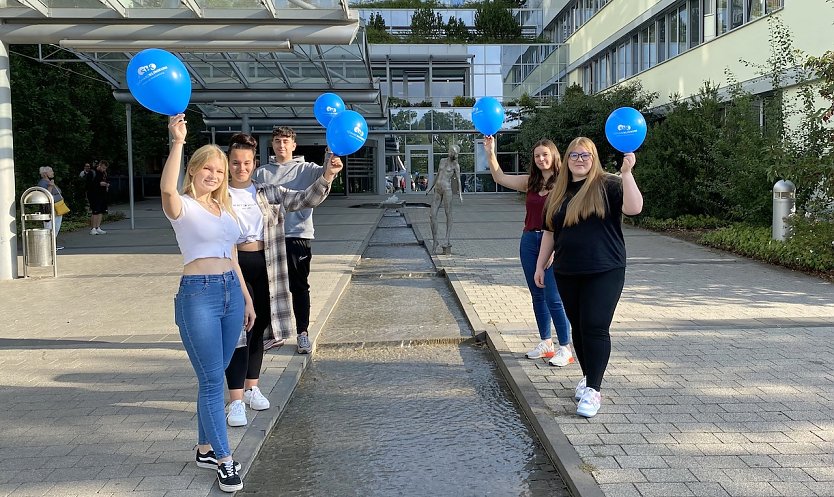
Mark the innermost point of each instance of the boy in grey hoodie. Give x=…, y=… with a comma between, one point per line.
x=296, y=174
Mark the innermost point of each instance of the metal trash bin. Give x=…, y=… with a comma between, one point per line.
x=784, y=204
x=39, y=244
x=39, y=249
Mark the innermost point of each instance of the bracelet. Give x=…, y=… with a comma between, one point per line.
x=175, y=142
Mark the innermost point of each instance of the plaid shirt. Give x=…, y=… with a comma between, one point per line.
x=274, y=202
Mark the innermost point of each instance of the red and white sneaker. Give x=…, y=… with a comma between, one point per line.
x=562, y=357
x=542, y=350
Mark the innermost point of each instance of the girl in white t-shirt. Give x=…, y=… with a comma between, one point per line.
x=260, y=210
x=212, y=306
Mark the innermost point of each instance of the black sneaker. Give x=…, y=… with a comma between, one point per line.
x=228, y=477
x=209, y=460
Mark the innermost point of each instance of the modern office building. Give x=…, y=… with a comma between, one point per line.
x=674, y=46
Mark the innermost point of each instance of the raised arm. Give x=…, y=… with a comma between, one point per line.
x=516, y=182
x=313, y=195
x=171, y=202
x=632, y=198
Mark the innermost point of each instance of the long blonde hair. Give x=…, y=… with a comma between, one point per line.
x=589, y=200
x=196, y=163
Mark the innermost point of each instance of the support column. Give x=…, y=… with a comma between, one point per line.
x=128, y=114
x=8, y=225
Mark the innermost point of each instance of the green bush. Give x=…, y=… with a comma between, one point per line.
x=685, y=222
x=494, y=21
x=808, y=249
x=460, y=101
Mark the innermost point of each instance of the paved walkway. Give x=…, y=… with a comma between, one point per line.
x=720, y=379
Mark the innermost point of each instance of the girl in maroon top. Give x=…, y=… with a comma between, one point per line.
x=547, y=305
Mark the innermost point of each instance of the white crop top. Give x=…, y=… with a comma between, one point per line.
x=201, y=234
x=249, y=215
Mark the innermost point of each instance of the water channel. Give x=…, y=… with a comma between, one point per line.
x=399, y=400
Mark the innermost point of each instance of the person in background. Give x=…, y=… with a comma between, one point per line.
x=98, y=199
x=585, y=238
x=547, y=305
x=212, y=308
x=296, y=174
x=47, y=181
x=87, y=176
x=261, y=209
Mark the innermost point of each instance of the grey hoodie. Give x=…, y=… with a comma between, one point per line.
x=295, y=175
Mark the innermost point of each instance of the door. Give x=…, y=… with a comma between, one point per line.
x=420, y=165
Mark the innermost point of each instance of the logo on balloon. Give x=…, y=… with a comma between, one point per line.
x=159, y=81
x=358, y=130
x=144, y=69
x=625, y=129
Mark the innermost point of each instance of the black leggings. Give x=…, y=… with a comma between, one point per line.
x=246, y=361
x=590, y=301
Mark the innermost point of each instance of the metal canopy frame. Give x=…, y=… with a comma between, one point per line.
x=251, y=61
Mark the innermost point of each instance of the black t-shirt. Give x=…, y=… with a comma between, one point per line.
x=593, y=245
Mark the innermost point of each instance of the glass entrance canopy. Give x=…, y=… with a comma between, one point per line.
x=262, y=61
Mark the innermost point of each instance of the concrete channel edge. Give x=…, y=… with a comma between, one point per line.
x=579, y=482
x=261, y=425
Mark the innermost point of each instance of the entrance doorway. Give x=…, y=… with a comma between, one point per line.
x=419, y=162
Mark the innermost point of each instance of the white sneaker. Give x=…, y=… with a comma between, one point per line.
x=580, y=389
x=589, y=403
x=93, y=231
x=543, y=349
x=255, y=399
x=304, y=345
x=562, y=357
x=100, y=231
x=237, y=414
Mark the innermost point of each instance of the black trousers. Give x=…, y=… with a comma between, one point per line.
x=299, y=255
x=590, y=301
x=247, y=361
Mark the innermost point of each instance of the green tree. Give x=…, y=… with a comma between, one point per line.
x=494, y=22
x=425, y=24
x=456, y=30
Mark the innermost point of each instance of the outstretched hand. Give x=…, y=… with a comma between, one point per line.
x=176, y=124
x=629, y=160
x=333, y=168
x=489, y=145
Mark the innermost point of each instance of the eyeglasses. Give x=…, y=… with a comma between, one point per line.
x=580, y=157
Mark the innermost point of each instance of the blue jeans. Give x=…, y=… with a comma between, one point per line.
x=547, y=305
x=208, y=310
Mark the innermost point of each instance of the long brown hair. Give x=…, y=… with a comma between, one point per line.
x=589, y=200
x=536, y=180
x=197, y=161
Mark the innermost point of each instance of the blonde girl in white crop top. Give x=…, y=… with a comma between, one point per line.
x=207, y=307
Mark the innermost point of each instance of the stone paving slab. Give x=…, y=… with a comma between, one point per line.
x=720, y=380
x=99, y=394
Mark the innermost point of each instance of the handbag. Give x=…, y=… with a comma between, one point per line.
x=61, y=208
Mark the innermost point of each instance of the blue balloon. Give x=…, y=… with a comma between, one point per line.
x=159, y=81
x=625, y=129
x=328, y=106
x=488, y=115
x=347, y=133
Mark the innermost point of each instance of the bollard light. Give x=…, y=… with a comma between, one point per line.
x=784, y=205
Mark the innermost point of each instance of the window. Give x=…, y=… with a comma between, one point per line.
x=683, y=38
x=674, y=23
x=722, y=15
x=661, y=39
x=694, y=23
x=755, y=9
x=736, y=13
